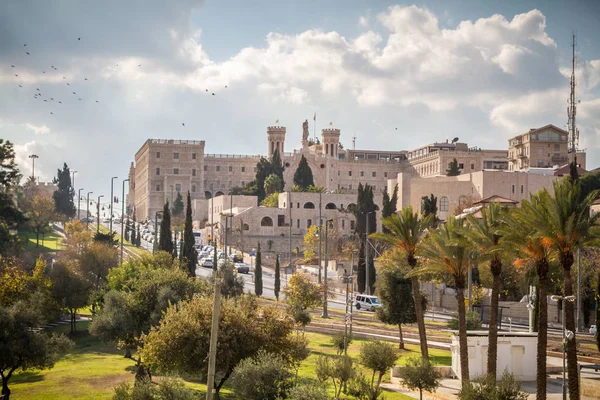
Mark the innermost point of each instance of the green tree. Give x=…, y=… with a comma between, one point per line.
x=277, y=283
x=138, y=237
x=271, y=200
x=134, y=233
x=177, y=208
x=264, y=168
x=189, y=253
x=11, y=216
x=308, y=391
x=338, y=369
x=564, y=223
x=40, y=212
x=165, y=242
x=70, y=289
x=453, y=169
x=301, y=295
x=64, y=194
x=272, y=184
x=232, y=285
x=365, y=208
x=485, y=234
x=473, y=321
x=420, y=374
x=23, y=348
x=589, y=182
x=389, y=204
x=303, y=176
x=165, y=389
x=486, y=388
x=378, y=357
x=127, y=229
x=258, y=284
x=265, y=376
x=521, y=238
x=406, y=231
x=183, y=335
x=447, y=251
x=429, y=207
x=395, y=293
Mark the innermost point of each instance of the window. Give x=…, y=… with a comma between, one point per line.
x=158, y=154
x=338, y=172
x=352, y=224
x=158, y=187
x=281, y=220
x=230, y=168
x=308, y=223
x=374, y=187
x=374, y=174
x=217, y=182
x=330, y=206
x=157, y=171
x=362, y=173
x=385, y=174
x=513, y=189
x=175, y=156
x=521, y=189
x=461, y=166
x=193, y=171
x=193, y=156
x=349, y=173
x=472, y=166
x=243, y=183
x=343, y=223
x=193, y=188
x=350, y=186
x=309, y=205
x=243, y=169
x=178, y=187
x=298, y=224
x=246, y=227
x=444, y=204
x=462, y=200
x=175, y=171
x=266, y=221
x=218, y=168
x=229, y=183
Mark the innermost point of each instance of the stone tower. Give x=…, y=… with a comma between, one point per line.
x=330, y=139
x=276, y=139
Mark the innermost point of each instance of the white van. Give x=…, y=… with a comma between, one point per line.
x=365, y=302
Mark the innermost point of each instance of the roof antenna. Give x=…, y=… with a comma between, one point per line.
x=572, y=111
x=354, y=142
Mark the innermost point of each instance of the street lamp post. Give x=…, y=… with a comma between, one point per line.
x=171, y=195
x=122, y=214
x=155, y=231
x=87, y=210
x=566, y=335
x=325, y=314
x=73, y=179
x=111, y=203
x=367, y=271
x=79, y=204
x=33, y=157
x=320, y=234
x=98, y=213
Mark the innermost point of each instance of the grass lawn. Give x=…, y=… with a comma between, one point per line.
x=51, y=241
x=92, y=369
x=126, y=244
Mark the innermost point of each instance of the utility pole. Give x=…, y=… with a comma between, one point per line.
x=572, y=111
x=291, y=223
x=214, y=333
x=155, y=244
x=98, y=213
x=73, y=179
x=325, y=314
x=33, y=157
x=122, y=216
x=111, y=204
x=367, y=271
x=320, y=239
x=79, y=204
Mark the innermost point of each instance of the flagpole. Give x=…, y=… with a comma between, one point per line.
x=315, y=127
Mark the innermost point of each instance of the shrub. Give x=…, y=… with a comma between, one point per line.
x=486, y=388
x=339, y=370
x=338, y=341
x=473, y=321
x=308, y=391
x=264, y=377
x=378, y=357
x=420, y=374
x=166, y=389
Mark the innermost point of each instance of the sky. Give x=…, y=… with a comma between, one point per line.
x=87, y=82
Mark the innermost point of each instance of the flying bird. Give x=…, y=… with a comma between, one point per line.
x=79, y=38
x=20, y=86
x=64, y=77
x=86, y=79
x=139, y=65
x=206, y=90
x=73, y=92
x=97, y=101
x=52, y=98
x=43, y=72
x=45, y=100
x=396, y=128
x=80, y=98
x=225, y=86
x=68, y=84
x=38, y=89
x=182, y=124
x=60, y=102
x=213, y=94
x=51, y=113
x=25, y=45
x=16, y=75
x=12, y=66
x=27, y=53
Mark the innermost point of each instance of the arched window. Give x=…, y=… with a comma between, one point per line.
x=376, y=207
x=462, y=200
x=193, y=188
x=329, y=206
x=444, y=203
x=218, y=194
x=309, y=205
x=351, y=207
x=207, y=195
x=246, y=227
x=266, y=221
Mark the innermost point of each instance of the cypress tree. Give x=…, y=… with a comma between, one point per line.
x=133, y=232
x=64, y=194
x=277, y=284
x=166, y=240
x=189, y=253
x=127, y=229
x=303, y=176
x=258, y=284
x=365, y=206
x=389, y=205
x=177, y=205
x=175, y=247
x=453, y=169
x=138, y=237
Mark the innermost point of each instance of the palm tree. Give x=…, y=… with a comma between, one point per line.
x=485, y=235
x=520, y=237
x=405, y=231
x=446, y=250
x=567, y=226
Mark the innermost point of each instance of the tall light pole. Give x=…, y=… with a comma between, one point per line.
x=171, y=186
x=325, y=314
x=111, y=203
x=367, y=270
x=33, y=157
x=566, y=335
x=98, y=213
x=122, y=214
x=79, y=204
x=87, y=210
x=73, y=178
x=320, y=234
x=155, y=231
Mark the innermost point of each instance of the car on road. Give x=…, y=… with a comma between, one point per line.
x=87, y=220
x=242, y=268
x=593, y=329
x=237, y=258
x=106, y=220
x=368, y=303
x=207, y=262
x=203, y=254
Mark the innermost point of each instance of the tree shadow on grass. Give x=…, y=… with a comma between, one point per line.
x=27, y=377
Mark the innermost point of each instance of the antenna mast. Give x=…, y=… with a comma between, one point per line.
x=572, y=111
x=354, y=142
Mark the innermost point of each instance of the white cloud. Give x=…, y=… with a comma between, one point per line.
x=37, y=129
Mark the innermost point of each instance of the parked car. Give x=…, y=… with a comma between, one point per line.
x=242, y=268
x=368, y=303
x=106, y=220
x=593, y=329
x=203, y=254
x=237, y=258
x=207, y=262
